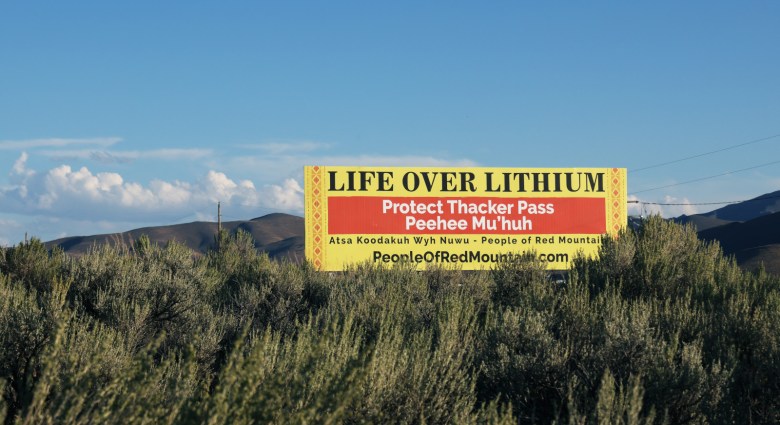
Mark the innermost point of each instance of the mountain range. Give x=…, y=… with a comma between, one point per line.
x=736, y=212
x=280, y=235
x=749, y=230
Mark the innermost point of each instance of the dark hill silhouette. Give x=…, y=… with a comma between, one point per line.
x=701, y=222
x=754, y=241
x=280, y=235
x=765, y=204
x=754, y=258
x=751, y=242
x=749, y=230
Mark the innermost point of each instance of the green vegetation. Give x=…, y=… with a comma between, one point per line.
x=661, y=329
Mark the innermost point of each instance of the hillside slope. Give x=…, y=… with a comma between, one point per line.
x=701, y=222
x=752, y=242
x=765, y=204
x=280, y=235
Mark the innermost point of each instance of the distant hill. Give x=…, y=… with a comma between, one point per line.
x=751, y=242
x=701, y=222
x=280, y=235
x=753, y=258
x=762, y=205
x=750, y=231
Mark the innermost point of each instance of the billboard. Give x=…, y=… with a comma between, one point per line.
x=465, y=217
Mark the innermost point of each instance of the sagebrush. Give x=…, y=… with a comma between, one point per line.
x=661, y=328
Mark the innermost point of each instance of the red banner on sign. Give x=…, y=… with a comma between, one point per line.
x=465, y=215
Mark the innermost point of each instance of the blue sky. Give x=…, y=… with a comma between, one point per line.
x=116, y=115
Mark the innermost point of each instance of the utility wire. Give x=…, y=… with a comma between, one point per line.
x=706, y=178
x=702, y=154
x=760, y=198
x=687, y=203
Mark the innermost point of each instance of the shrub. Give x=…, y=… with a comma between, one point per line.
x=32, y=265
x=28, y=319
x=659, y=328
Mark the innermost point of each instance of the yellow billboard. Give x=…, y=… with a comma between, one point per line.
x=465, y=217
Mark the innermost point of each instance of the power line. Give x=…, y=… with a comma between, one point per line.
x=701, y=203
x=707, y=178
x=703, y=154
x=686, y=203
x=760, y=198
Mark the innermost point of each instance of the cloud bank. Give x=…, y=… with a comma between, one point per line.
x=66, y=192
x=77, y=199
x=115, y=156
x=679, y=206
x=57, y=142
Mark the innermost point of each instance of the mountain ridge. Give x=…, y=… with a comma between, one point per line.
x=750, y=231
x=278, y=234
x=751, y=242
x=765, y=204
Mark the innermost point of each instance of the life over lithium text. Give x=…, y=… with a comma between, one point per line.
x=465, y=181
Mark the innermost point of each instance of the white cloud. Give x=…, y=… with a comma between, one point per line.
x=287, y=147
x=8, y=227
x=57, y=142
x=113, y=156
x=20, y=174
x=668, y=207
x=19, y=169
x=8, y=223
x=65, y=192
x=96, y=149
x=80, y=200
x=289, y=195
x=392, y=161
x=684, y=206
x=20, y=165
x=79, y=195
x=271, y=167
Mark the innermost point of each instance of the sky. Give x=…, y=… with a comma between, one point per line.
x=121, y=115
